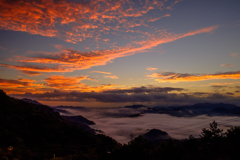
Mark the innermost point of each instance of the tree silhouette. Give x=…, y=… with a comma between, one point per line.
x=212, y=133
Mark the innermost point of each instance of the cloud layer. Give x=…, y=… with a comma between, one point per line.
x=153, y=95
x=75, y=21
x=126, y=128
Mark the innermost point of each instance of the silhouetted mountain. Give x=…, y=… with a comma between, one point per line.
x=135, y=106
x=61, y=111
x=79, y=119
x=81, y=122
x=32, y=129
x=31, y=101
x=213, y=105
x=156, y=134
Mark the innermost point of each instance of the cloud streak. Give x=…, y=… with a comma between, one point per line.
x=35, y=69
x=69, y=60
x=185, y=77
x=155, y=19
x=16, y=83
x=226, y=65
x=100, y=72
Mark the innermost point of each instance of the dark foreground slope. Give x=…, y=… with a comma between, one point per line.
x=36, y=132
x=213, y=144
x=33, y=131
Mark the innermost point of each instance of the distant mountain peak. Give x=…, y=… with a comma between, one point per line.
x=31, y=101
x=135, y=106
x=3, y=94
x=156, y=134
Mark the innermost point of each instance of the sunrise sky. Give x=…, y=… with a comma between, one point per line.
x=102, y=53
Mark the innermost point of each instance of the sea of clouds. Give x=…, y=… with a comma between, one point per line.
x=116, y=123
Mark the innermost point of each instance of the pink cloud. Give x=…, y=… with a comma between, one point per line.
x=151, y=69
x=112, y=77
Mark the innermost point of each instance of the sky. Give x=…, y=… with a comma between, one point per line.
x=103, y=53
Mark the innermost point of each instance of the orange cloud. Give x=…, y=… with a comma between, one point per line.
x=16, y=83
x=21, y=86
x=105, y=40
x=33, y=70
x=226, y=83
x=180, y=77
x=112, y=77
x=61, y=82
x=98, y=88
x=73, y=83
x=100, y=72
x=69, y=60
x=151, y=69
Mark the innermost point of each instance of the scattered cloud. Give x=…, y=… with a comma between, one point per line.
x=100, y=72
x=16, y=83
x=21, y=86
x=218, y=86
x=72, y=20
x=230, y=93
x=226, y=65
x=143, y=89
x=174, y=3
x=225, y=83
x=65, y=83
x=2, y=48
x=56, y=82
x=32, y=73
x=112, y=77
x=151, y=69
x=106, y=40
x=58, y=46
x=36, y=69
x=234, y=54
x=185, y=77
x=155, y=19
